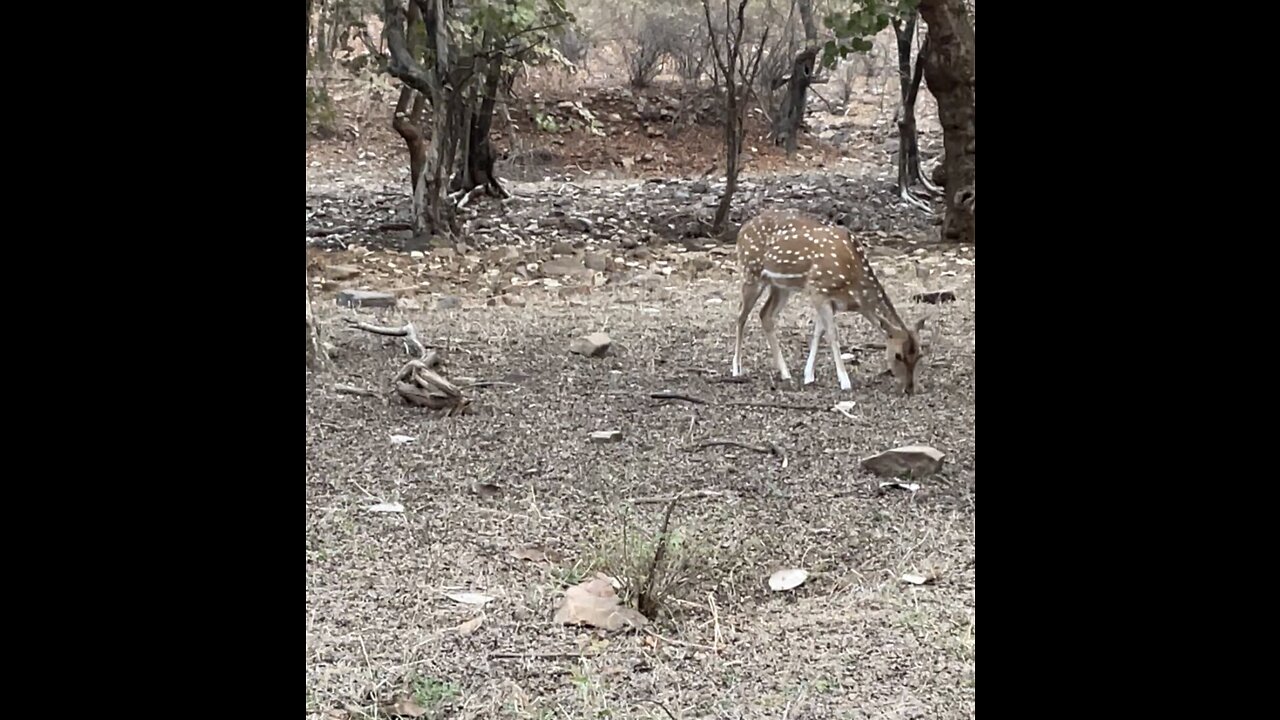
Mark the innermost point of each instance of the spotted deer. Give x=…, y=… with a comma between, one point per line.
x=788, y=252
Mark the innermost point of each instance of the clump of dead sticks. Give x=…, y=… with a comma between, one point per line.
x=419, y=382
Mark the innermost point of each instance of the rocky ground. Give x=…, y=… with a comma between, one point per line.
x=514, y=503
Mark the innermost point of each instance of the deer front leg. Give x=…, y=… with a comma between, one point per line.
x=768, y=318
x=828, y=318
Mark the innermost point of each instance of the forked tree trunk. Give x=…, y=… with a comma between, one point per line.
x=950, y=72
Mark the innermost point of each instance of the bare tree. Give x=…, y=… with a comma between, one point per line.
x=949, y=69
x=452, y=54
x=737, y=77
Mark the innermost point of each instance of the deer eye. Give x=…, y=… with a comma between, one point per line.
x=898, y=357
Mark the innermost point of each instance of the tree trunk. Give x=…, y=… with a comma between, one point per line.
x=739, y=77
x=733, y=150
x=790, y=116
x=315, y=352
x=478, y=156
x=909, y=83
x=786, y=128
x=950, y=71
x=405, y=122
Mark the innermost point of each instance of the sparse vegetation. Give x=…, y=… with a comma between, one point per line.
x=655, y=566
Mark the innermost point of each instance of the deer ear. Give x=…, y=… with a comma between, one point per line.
x=919, y=324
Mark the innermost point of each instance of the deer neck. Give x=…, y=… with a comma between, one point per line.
x=878, y=308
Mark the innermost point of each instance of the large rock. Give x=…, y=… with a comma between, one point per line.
x=913, y=460
x=366, y=298
x=593, y=345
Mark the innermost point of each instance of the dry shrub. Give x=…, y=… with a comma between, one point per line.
x=654, y=568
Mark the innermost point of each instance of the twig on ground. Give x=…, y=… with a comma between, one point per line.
x=777, y=406
x=534, y=655
x=405, y=331
x=677, y=396
x=488, y=383
x=770, y=449
x=344, y=389
x=664, y=709
x=652, y=500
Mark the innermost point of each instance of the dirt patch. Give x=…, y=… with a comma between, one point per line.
x=853, y=641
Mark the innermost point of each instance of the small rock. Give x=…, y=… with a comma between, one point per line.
x=700, y=186
x=640, y=253
x=913, y=460
x=700, y=263
x=933, y=297
x=562, y=248
x=562, y=266
x=444, y=253
x=513, y=300
x=593, y=345
x=342, y=272
x=646, y=279
x=613, y=117
x=449, y=302
x=606, y=436
x=409, y=303
x=597, y=261
x=416, y=255
x=504, y=254
x=578, y=224
x=365, y=298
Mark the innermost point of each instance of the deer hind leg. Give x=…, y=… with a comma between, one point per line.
x=768, y=318
x=827, y=317
x=811, y=364
x=750, y=294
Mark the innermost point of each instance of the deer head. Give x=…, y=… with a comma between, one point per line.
x=902, y=351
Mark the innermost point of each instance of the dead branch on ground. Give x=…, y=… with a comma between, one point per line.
x=405, y=331
x=344, y=389
x=677, y=396
x=419, y=385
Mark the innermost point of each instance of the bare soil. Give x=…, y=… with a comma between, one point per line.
x=854, y=641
